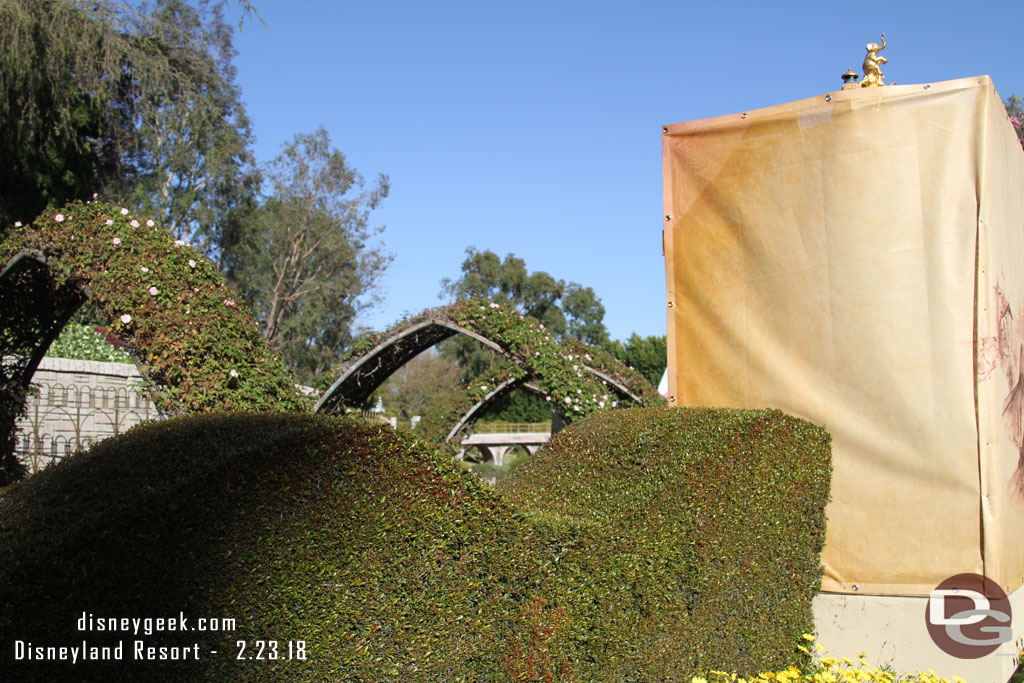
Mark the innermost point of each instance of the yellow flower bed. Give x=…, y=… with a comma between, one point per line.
x=830, y=670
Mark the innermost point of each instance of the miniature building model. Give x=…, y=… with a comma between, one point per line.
x=857, y=259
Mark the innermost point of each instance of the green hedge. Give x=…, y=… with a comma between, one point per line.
x=693, y=537
x=389, y=561
x=642, y=544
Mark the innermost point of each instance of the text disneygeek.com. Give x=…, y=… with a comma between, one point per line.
x=135, y=648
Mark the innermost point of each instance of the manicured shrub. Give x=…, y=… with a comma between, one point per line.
x=692, y=538
x=387, y=560
x=643, y=544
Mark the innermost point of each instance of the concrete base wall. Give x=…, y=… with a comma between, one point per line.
x=73, y=403
x=892, y=630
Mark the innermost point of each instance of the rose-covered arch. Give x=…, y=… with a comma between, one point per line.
x=575, y=378
x=451, y=422
x=197, y=348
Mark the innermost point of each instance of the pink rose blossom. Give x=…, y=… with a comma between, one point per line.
x=17, y=224
x=229, y=302
x=154, y=291
x=117, y=241
x=179, y=243
x=150, y=223
x=124, y=212
x=144, y=269
x=191, y=263
x=134, y=223
x=110, y=222
x=233, y=373
x=126, y=318
x=59, y=218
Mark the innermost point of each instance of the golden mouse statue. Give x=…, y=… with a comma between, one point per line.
x=872, y=65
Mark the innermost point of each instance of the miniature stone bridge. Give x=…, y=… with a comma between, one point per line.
x=494, y=445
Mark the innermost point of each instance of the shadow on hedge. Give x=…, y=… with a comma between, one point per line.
x=641, y=544
x=383, y=557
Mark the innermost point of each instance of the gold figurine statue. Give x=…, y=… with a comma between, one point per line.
x=872, y=65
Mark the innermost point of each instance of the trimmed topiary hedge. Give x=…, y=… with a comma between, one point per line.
x=643, y=544
x=693, y=537
x=387, y=560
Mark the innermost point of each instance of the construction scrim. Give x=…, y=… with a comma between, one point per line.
x=858, y=260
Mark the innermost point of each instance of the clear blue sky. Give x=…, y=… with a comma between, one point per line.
x=535, y=127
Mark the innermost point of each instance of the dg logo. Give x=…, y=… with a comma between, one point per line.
x=968, y=616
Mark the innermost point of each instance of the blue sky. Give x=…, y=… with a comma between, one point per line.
x=535, y=127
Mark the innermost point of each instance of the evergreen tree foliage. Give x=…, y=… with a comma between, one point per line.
x=136, y=104
x=646, y=355
x=565, y=310
x=194, y=168
x=421, y=385
x=305, y=263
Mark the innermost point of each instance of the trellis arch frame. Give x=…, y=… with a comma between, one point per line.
x=197, y=346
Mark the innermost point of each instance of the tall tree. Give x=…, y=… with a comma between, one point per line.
x=584, y=313
x=422, y=385
x=486, y=275
x=646, y=355
x=305, y=261
x=565, y=309
x=192, y=164
x=128, y=102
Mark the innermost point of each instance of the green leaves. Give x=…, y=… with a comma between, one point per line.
x=698, y=536
x=102, y=97
x=305, y=262
x=564, y=309
x=82, y=342
x=195, y=343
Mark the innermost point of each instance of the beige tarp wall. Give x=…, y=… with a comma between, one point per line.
x=857, y=259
